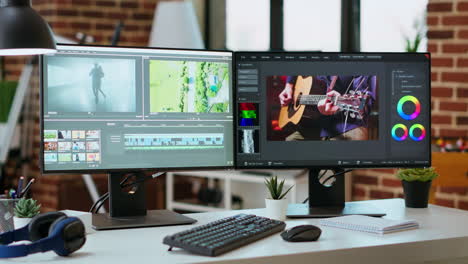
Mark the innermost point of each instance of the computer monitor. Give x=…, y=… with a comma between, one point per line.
x=332, y=111
x=119, y=109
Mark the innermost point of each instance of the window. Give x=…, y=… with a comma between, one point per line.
x=385, y=24
x=248, y=24
x=312, y=25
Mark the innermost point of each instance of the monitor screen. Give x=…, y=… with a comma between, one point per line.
x=110, y=108
x=332, y=109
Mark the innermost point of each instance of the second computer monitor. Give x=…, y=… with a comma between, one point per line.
x=332, y=110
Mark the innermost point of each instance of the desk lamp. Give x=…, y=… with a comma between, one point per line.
x=22, y=30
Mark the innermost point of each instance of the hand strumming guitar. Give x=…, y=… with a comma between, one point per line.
x=285, y=96
x=326, y=107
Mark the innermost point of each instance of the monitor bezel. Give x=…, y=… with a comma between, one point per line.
x=351, y=166
x=121, y=170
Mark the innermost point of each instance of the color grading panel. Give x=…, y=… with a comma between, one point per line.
x=410, y=104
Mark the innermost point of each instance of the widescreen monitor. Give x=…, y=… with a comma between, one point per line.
x=328, y=110
x=108, y=109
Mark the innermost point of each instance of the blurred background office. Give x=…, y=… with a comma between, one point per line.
x=437, y=26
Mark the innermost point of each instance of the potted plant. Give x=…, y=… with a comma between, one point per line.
x=276, y=205
x=25, y=209
x=416, y=185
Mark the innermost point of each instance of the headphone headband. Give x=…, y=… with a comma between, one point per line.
x=53, y=241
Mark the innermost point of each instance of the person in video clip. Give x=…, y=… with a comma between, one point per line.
x=96, y=75
x=328, y=121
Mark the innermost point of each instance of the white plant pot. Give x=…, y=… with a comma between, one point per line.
x=20, y=222
x=276, y=209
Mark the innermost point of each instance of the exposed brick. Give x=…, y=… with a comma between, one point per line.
x=80, y=25
x=117, y=15
x=453, y=133
x=434, y=76
x=102, y=26
x=462, y=62
x=391, y=182
x=457, y=190
x=445, y=202
x=365, y=179
x=441, y=91
x=432, y=48
x=357, y=191
x=142, y=16
x=47, y=12
x=463, y=205
x=440, y=34
x=455, y=48
x=106, y=3
x=462, y=120
x=384, y=170
x=439, y=7
x=440, y=119
x=59, y=25
x=432, y=20
x=93, y=14
x=454, y=77
x=455, y=20
x=462, y=92
x=129, y=4
x=453, y=106
x=147, y=5
x=462, y=6
x=442, y=62
x=463, y=34
x=81, y=2
x=376, y=194
x=67, y=12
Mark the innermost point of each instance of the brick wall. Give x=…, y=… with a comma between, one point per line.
x=92, y=17
x=448, y=43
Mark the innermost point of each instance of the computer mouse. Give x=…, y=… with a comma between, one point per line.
x=302, y=233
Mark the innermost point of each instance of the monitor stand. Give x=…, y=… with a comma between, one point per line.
x=329, y=201
x=127, y=208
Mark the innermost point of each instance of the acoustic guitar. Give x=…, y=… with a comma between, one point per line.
x=353, y=103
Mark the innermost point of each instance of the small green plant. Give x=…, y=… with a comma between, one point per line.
x=27, y=208
x=417, y=174
x=275, y=188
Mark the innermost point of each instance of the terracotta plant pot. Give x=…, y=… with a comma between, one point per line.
x=416, y=193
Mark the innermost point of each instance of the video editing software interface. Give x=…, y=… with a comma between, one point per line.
x=332, y=109
x=123, y=108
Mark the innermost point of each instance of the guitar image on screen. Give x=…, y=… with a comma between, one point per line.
x=353, y=103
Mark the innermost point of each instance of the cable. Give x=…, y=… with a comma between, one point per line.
x=101, y=200
x=328, y=178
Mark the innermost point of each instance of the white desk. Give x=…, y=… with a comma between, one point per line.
x=443, y=235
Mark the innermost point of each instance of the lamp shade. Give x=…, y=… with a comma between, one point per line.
x=22, y=30
x=175, y=25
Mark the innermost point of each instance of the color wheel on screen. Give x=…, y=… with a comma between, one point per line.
x=411, y=99
x=412, y=134
x=399, y=127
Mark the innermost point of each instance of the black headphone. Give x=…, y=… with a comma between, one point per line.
x=50, y=231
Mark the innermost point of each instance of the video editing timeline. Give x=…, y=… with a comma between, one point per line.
x=328, y=109
x=152, y=108
x=171, y=141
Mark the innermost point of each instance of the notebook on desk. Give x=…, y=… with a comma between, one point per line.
x=370, y=224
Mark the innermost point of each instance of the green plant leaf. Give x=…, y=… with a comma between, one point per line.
x=417, y=174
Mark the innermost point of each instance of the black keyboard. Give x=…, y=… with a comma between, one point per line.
x=224, y=235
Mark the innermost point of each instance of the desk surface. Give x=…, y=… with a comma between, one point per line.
x=443, y=235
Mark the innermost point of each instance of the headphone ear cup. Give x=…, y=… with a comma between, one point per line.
x=72, y=232
x=40, y=224
x=55, y=223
